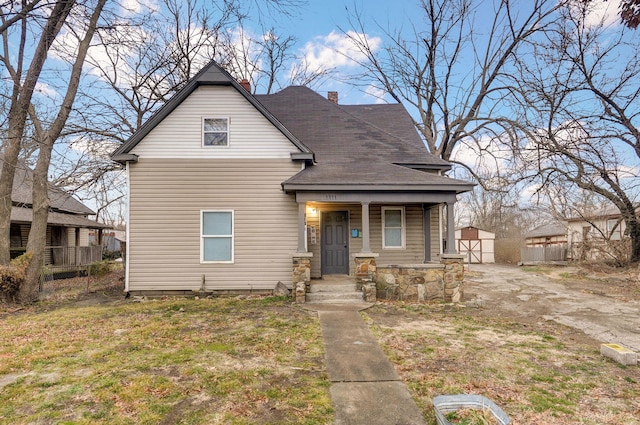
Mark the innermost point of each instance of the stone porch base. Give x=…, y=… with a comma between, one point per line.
x=414, y=282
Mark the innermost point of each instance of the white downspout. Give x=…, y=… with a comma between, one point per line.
x=128, y=224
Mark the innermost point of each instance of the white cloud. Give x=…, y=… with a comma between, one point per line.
x=134, y=7
x=486, y=155
x=46, y=90
x=603, y=12
x=92, y=147
x=376, y=93
x=245, y=52
x=337, y=50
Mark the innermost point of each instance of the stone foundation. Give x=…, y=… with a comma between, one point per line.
x=442, y=282
x=365, y=273
x=433, y=282
x=453, y=277
x=301, y=276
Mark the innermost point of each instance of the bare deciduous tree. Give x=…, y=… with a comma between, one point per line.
x=24, y=77
x=580, y=92
x=451, y=66
x=82, y=22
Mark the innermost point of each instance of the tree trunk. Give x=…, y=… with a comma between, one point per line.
x=633, y=227
x=37, y=236
x=37, y=241
x=10, y=158
x=20, y=102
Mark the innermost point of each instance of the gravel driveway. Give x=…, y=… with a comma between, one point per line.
x=534, y=296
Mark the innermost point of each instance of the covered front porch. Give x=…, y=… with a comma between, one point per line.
x=391, y=245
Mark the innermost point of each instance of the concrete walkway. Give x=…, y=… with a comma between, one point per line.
x=365, y=388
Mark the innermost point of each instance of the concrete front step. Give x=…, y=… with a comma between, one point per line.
x=333, y=287
x=334, y=297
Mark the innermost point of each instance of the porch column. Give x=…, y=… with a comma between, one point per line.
x=302, y=236
x=451, y=236
x=365, y=227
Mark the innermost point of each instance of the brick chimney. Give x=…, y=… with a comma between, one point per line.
x=246, y=84
x=332, y=96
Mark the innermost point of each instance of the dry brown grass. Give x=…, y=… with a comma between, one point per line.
x=538, y=374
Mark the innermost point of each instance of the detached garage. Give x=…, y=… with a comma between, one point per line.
x=476, y=244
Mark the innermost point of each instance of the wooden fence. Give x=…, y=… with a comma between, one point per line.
x=543, y=254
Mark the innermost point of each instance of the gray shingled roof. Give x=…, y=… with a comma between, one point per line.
x=352, y=145
x=58, y=198
x=554, y=229
x=357, y=145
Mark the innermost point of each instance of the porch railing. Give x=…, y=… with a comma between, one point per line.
x=72, y=255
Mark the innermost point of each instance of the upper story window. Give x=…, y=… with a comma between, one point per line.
x=393, y=228
x=215, y=132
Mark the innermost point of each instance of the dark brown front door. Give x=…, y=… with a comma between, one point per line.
x=335, y=242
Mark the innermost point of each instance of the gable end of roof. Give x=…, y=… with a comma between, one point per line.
x=211, y=75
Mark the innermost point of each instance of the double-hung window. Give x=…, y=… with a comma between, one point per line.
x=215, y=132
x=393, y=228
x=217, y=237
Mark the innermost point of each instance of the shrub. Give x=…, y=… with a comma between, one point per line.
x=12, y=276
x=99, y=268
x=111, y=255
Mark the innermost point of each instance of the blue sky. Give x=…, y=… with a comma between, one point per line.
x=318, y=27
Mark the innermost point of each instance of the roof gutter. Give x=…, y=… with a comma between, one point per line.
x=294, y=187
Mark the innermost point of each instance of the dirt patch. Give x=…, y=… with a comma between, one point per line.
x=81, y=291
x=603, y=304
x=539, y=372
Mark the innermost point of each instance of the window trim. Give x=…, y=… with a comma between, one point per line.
x=203, y=133
x=403, y=228
x=614, y=229
x=231, y=236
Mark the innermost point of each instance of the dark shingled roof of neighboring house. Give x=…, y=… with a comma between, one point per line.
x=59, y=200
x=554, y=229
x=25, y=215
x=370, y=145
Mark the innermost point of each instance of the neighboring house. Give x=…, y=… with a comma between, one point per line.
x=547, y=235
x=545, y=244
x=67, y=239
x=228, y=191
x=112, y=239
x=476, y=244
x=596, y=236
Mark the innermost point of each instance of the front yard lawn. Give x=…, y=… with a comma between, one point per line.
x=207, y=361
x=95, y=358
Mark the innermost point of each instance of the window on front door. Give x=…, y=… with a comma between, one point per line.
x=217, y=237
x=393, y=228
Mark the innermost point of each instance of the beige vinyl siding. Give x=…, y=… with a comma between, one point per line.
x=413, y=253
x=167, y=197
x=179, y=135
